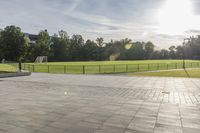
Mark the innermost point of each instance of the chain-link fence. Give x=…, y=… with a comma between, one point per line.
x=99, y=69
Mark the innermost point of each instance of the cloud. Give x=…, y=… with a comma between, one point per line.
x=111, y=19
x=192, y=31
x=165, y=36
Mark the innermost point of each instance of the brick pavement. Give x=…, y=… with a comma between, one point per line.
x=55, y=103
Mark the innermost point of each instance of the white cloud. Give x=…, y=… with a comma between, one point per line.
x=134, y=19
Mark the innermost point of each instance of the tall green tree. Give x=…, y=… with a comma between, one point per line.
x=172, y=52
x=42, y=46
x=192, y=47
x=137, y=52
x=59, y=46
x=1, y=46
x=13, y=45
x=149, y=49
x=100, y=42
x=90, y=50
x=164, y=54
x=75, y=48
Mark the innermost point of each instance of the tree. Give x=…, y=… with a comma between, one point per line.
x=164, y=54
x=172, y=52
x=13, y=44
x=42, y=46
x=28, y=50
x=113, y=50
x=75, y=48
x=90, y=50
x=149, y=49
x=59, y=47
x=192, y=47
x=138, y=51
x=1, y=46
x=100, y=41
x=156, y=55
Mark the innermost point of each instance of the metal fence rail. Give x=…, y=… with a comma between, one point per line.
x=99, y=69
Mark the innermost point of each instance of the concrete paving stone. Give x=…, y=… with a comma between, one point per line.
x=142, y=125
x=104, y=113
x=33, y=125
x=50, y=117
x=191, y=130
x=38, y=123
x=82, y=127
x=71, y=121
x=147, y=118
x=118, y=121
x=6, y=127
x=168, y=115
x=99, y=104
x=109, y=129
x=126, y=112
x=189, y=112
x=135, y=131
x=61, y=124
x=96, y=118
x=161, y=128
x=21, y=130
x=3, y=131
x=49, y=129
x=76, y=115
x=191, y=123
x=87, y=110
x=89, y=125
x=169, y=121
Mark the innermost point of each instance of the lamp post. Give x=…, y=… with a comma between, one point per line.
x=20, y=64
x=183, y=51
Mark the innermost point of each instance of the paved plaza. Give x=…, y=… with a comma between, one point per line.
x=55, y=103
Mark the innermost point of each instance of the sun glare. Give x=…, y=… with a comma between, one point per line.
x=175, y=17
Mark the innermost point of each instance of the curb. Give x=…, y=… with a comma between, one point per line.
x=6, y=75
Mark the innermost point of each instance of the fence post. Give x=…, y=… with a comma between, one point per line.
x=138, y=67
x=83, y=69
x=20, y=66
x=114, y=68
x=126, y=67
x=158, y=66
x=176, y=66
x=148, y=67
x=167, y=66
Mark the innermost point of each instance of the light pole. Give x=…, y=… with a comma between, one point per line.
x=183, y=51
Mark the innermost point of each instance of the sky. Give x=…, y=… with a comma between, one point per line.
x=163, y=22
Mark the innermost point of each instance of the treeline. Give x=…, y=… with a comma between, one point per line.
x=14, y=45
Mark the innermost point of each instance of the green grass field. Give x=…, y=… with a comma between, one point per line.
x=193, y=73
x=94, y=67
x=5, y=68
x=117, y=62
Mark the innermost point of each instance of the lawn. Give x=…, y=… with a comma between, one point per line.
x=5, y=68
x=93, y=67
x=193, y=73
x=117, y=62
